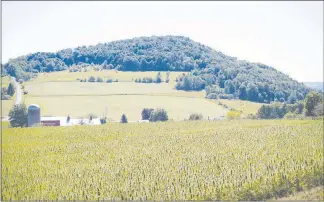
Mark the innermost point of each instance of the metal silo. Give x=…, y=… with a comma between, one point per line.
x=34, y=116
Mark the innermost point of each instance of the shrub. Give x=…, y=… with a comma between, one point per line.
x=226, y=96
x=158, y=78
x=99, y=79
x=158, y=115
x=196, y=116
x=167, y=77
x=212, y=96
x=233, y=114
x=103, y=120
x=18, y=115
x=109, y=81
x=146, y=113
x=251, y=116
x=318, y=110
x=123, y=119
x=116, y=80
x=92, y=79
x=290, y=115
x=147, y=80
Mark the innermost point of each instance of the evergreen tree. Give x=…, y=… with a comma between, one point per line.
x=11, y=89
x=123, y=119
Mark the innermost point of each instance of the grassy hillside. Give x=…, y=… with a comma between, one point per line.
x=6, y=105
x=244, y=106
x=5, y=81
x=60, y=94
x=206, y=160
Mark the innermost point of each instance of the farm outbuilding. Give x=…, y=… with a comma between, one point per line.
x=34, y=116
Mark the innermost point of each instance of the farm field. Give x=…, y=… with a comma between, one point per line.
x=246, y=107
x=116, y=88
x=178, y=108
x=203, y=160
x=60, y=94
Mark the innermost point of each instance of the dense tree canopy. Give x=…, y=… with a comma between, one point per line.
x=240, y=79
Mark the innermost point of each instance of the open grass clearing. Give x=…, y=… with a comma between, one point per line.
x=246, y=107
x=5, y=81
x=78, y=88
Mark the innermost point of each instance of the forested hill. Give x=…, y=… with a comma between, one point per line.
x=220, y=74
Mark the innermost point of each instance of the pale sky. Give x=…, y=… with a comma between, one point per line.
x=285, y=35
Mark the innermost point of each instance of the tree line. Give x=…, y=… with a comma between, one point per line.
x=209, y=69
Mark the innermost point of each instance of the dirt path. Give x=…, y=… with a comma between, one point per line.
x=18, y=91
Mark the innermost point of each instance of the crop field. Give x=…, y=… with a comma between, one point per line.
x=203, y=160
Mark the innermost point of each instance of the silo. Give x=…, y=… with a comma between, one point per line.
x=34, y=116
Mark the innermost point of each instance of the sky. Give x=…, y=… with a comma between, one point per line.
x=285, y=35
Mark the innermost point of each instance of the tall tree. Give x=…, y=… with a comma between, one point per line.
x=11, y=89
x=311, y=100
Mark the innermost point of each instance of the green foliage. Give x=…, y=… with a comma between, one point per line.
x=103, y=120
x=146, y=113
x=190, y=83
x=167, y=77
x=273, y=111
x=290, y=115
x=312, y=99
x=248, y=81
x=196, y=116
x=144, y=80
x=279, y=110
x=18, y=116
x=4, y=94
x=158, y=78
x=318, y=110
x=158, y=115
x=11, y=89
x=232, y=114
x=92, y=79
x=99, y=79
x=123, y=119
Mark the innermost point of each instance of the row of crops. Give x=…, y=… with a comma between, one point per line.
x=204, y=160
